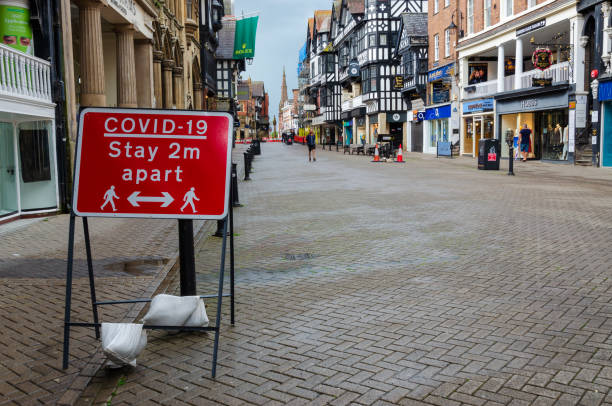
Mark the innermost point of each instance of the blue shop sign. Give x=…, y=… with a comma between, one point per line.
x=478, y=106
x=436, y=113
x=605, y=91
x=441, y=73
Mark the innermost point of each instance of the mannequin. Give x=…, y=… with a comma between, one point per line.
x=565, y=142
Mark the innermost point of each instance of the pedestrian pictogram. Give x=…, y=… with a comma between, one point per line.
x=188, y=199
x=109, y=197
x=153, y=163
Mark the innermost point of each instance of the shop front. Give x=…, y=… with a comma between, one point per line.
x=347, y=129
x=437, y=127
x=395, y=121
x=28, y=175
x=478, y=122
x=546, y=112
x=605, y=97
x=373, y=128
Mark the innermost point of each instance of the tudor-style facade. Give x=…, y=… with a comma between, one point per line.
x=412, y=51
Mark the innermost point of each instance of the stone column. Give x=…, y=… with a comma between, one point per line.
x=179, y=93
x=92, y=54
x=168, y=96
x=518, y=65
x=143, y=52
x=579, y=42
x=197, y=96
x=500, y=68
x=605, y=49
x=126, y=67
x=157, y=79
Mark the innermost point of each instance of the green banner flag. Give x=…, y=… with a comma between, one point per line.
x=244, y=41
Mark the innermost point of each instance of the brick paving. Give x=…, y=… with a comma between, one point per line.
x=130, y=258
x=423, y=283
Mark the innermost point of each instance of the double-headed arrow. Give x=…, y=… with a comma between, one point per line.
x=166, y=199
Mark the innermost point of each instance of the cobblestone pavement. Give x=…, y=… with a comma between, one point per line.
x=131, y=257
x=423, y=283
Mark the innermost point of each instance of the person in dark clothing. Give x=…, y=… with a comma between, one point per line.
x=524, y=139
x=311, y=142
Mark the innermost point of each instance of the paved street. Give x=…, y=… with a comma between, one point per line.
x=130, y=258
x=423, y=283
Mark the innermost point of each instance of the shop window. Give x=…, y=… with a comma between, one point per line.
x=34, y=155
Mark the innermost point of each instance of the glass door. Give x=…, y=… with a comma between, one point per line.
x=8, y=184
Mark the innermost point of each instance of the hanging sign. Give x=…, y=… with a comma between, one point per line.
x=153, y=163
x=542, y=58
x=398, y=82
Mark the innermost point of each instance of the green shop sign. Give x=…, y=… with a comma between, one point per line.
x=244, y=41
x=15, y=28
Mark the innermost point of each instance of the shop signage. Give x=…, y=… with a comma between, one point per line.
x=398, y=117
x=418, y=115
x=436, y=113
x=531, y=27
x=353, y=69
x=478, y=106
x=443, y=149
x=581, y=111
x=149, y=163
x=529, y=103
x=310, y=107
x=441, y=73
x=605, y=91
x=542, y=58
x=572, y=104
x=398, y=82
x=541, y=82
x=361, y=121
x=544, y=102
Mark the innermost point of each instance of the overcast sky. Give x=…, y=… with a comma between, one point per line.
x=280, y=35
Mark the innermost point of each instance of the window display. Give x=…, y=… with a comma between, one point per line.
x=554, y=132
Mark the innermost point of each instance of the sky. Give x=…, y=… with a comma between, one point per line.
x=281, y=33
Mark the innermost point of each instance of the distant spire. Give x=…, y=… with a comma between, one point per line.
x=284, y=96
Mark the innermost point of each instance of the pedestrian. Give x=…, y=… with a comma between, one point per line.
x=525, y=138
x=311, y=142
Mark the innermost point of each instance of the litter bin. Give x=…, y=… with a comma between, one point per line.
x=489, y=152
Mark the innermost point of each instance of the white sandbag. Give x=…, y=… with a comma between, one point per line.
x=168, y=310
x=123, y=342
x=198, y=318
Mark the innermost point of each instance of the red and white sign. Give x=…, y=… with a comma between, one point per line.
x=153, y=163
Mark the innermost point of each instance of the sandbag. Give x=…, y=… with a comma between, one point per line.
x=198, y=318
x=168, y=310
x=123, y=342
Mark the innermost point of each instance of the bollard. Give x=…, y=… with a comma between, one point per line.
x=247, y=166
x=256, y=147
x=219, y=232
x=235, y=200
x=511, y=161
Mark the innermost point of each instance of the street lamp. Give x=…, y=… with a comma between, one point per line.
x=217, y=15
x=510, y=142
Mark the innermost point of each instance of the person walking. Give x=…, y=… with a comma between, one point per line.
x=311, y=142
x=524, y=140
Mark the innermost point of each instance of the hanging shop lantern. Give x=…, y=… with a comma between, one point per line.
x=542, y=58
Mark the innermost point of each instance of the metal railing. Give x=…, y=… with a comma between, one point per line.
x=24, y=76
x=558, y=73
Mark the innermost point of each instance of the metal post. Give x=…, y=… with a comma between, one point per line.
x=187, y=258
x=219, y=300
x=68, y=302
x=231, y=218
x=511, y=162
x=219, y=232
x=246, y=166
x=92, y=286
x=235, y=198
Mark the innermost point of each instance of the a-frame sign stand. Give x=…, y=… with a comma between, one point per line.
x=228, y=222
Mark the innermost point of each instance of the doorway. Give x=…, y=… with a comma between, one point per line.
x=416, y=136
x=396, y=131
x=8, y=186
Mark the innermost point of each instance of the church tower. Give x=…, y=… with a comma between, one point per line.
x=284, y=97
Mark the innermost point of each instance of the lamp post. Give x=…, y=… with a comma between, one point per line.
x=510, y=142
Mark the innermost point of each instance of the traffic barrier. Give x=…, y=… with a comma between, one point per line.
x=376, y=154
x=400, y=158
